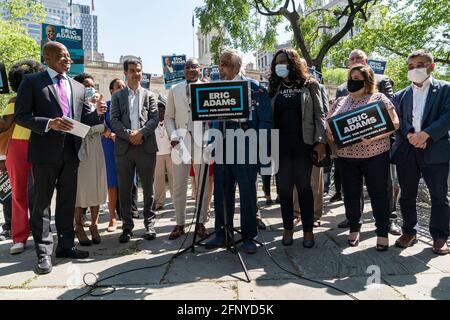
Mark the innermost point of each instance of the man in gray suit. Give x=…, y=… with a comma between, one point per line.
x=134, y=118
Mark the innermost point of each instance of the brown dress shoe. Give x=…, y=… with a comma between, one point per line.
x=201, y=231
x=177, y=232
x=406, y=241
x=440, y=247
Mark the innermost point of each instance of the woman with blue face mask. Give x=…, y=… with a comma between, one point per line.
x=92, y=182
x=299, y=117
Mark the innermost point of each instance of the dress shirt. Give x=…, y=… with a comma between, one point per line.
x=53, y=75
x=420, y=95
x=133, y=99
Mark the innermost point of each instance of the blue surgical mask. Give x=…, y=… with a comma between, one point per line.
x=89, y=93
x=282, y=70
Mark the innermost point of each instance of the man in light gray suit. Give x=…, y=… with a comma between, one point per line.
x=134, y=118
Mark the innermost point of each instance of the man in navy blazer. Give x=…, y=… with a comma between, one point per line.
x=422, y=149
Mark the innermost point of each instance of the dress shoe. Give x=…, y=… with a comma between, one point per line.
x=17, y=248
x=394, y=228
x=382, y=244
x=216, y=242
x=5, y=235
x=150, y=233
x=249, y=247
x=406, y=241
x=44, y=266
x=336, y=198
x=269, y=202
x=125, y=236
x=260, y=224
x=177, y=232
x=308, y=240
x=353, y=239
x=288, y=238
x=343, y=224
x=73, y=253
x=202, y=233
x=440, y=247
x=96, y=239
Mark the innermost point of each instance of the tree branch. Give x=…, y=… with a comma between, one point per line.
x=268, y=12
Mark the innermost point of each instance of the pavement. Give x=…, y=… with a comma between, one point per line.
x=362, y=272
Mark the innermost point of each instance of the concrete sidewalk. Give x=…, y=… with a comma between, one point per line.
x=415, y=273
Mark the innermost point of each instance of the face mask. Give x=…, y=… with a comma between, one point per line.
x=282, y=70
x=354, y=85
x=418, y=75
x=89, y=93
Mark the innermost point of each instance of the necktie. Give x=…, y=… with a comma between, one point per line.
x=62, y=95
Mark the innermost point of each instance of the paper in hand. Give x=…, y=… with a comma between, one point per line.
x=79, y=129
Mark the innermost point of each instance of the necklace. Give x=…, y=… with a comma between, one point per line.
x=288, y=86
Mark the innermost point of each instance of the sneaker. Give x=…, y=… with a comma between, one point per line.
x=249, y=247
x=5, y=235
x=150, y=233
x=336, y=198
x=394, y=228
x=17, y=248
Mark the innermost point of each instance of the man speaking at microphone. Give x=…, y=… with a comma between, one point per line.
x=42, y=102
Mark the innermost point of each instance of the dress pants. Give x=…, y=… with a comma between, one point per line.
x=226, y=177
x=163, y=164
x=317, y=185
x=436, y=177
x=136, y=158
x=47, y=177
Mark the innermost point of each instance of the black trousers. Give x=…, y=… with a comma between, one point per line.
x=136, y=159
x=436, y=177
x=47, y=177
x=375, y=171
x=338, y=175
x=266, y=182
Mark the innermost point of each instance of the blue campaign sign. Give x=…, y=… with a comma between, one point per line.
x=220, y=100
x=4, y=89
x=368, y=121
x=379, y=67
x=210, y=74
x=173, y=69
x=146, y=80
x=71, y=38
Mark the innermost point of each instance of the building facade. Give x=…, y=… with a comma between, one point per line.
x=82, y=18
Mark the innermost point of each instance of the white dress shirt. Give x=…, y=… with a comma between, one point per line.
x=53, y=75
x=162, y=139
x=133, y=99
x=420, y=95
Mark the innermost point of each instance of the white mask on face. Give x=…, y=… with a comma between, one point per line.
x=282, y=70
x=89, y=93
x=418, y=75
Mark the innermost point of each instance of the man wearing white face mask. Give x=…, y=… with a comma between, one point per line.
x=422, y=149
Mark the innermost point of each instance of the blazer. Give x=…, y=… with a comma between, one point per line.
x=384, y=85
x=313, y=115
x=121, y=123
x=178, y=112
x=435, y=122
x=37, y=102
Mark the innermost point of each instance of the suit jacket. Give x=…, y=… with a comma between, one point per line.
x=384, y=85
x=313, y=115
x=435, y=122
x=37, y=102
x=178, y=112
x=121, y=123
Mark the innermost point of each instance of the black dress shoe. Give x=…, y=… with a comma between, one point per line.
x=125, y=236
x=73, y=253
x=44, y=266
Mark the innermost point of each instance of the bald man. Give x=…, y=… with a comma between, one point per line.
x=43, y=100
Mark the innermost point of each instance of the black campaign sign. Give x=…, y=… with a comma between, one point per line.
x=5, y=187
x=220, y=100
x=368, y=121
x=4, y=89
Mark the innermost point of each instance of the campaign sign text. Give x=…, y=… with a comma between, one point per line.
x=368, y=121
x=5, y=187
x=210, y=74
x=220, y=100
x=4, y=89
x=173, y=70
x=71, y=38
x=378, y=67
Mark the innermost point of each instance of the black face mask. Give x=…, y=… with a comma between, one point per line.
x=354, y=85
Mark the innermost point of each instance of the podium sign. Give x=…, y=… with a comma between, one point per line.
x=368, y=121
x=220, y=100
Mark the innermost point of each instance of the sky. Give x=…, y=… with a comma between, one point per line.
x=147, y=28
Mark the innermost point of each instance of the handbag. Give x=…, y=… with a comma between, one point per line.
x=326, y=162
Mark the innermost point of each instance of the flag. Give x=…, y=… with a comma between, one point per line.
x=93, y=6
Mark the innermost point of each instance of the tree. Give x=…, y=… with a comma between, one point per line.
x=240, y=24
x=15, y=43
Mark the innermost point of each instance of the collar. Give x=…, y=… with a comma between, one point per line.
x=132, y=91
x=427, y=83
x=52, y=73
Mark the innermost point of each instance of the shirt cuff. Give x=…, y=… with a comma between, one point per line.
x=47, y=129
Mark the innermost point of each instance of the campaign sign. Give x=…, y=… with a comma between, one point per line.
x=220, y=100
x=71, y=38
x=378, y=67
x=146, y=80
x=5, y=187
x=4, y=89
x=210, y=74
x=173, y=70
x=368, y=121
